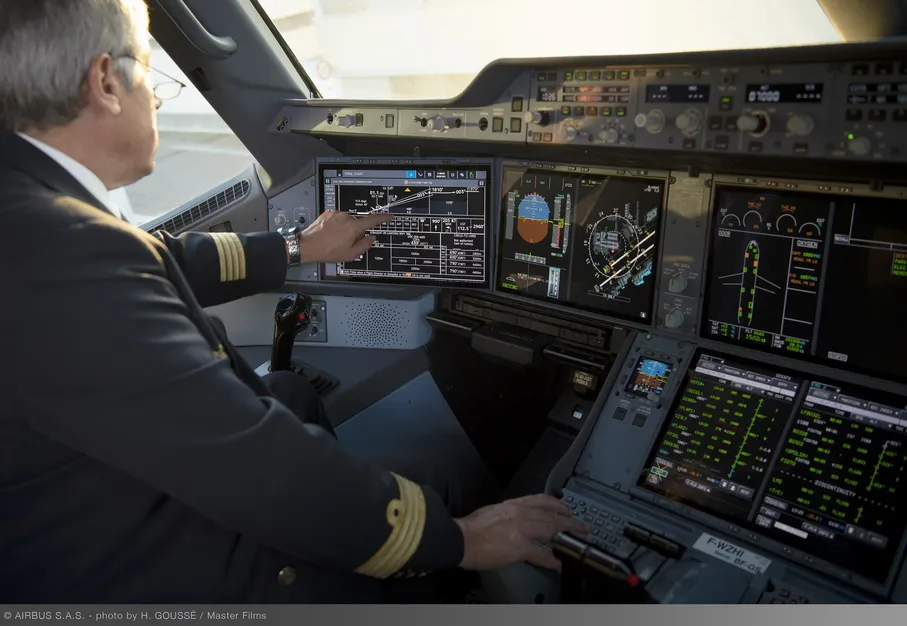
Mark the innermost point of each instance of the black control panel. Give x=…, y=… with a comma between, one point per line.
x=836, y=103
x=581, y=236
x=812, y=275
x=817, y=466
x=439, y=230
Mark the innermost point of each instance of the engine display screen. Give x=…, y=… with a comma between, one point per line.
x=585, y=240
x=438, y=234
x=814, y=465
x=815, y=276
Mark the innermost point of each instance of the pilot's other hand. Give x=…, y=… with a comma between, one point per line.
x=505, y=533
x=337, y=236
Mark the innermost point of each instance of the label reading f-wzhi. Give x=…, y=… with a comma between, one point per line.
x=731, y=553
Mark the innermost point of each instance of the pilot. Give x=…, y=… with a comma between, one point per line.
x=142, y=459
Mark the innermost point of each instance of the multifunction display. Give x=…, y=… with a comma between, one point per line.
x=722, y=435
x=814, y=465
x=809, y=275
x=440, y=216
x=587, y=240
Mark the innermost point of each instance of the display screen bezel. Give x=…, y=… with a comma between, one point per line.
x=797, y=187
x=488, y=165
x=568, y=169
x=773, y=540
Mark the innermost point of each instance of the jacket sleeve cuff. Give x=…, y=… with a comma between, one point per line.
x=422, y=535
x=442, y=540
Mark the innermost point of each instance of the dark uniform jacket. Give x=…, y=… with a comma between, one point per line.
x=141, y=460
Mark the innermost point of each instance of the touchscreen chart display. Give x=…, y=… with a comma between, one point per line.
x=585, y=240
x=438, y=232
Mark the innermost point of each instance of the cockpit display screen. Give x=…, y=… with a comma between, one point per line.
x=819, y=467
x=649, y=377
x=814, y=276
x=581, y=239
x=438, y=233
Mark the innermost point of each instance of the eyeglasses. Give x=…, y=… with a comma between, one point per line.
x=163, y=90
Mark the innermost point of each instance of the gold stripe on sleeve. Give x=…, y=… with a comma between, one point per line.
x=406, y=517
x=220, y=256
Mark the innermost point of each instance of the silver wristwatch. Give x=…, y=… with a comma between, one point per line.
x=291, y=237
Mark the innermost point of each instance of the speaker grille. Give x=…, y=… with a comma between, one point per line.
x=377, y=324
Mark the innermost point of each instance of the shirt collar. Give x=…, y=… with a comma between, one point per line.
x=82, y=174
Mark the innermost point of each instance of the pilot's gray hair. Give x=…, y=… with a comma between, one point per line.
x=47, y=47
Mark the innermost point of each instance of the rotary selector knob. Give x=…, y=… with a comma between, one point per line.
x=609, y=135
x=689, y=122
x=756, y=124
x=678, y=283
x=860, y=146
x=542, y=118
x=800, y=125
x=674, y=318
x=280, y=219
x=569, y=133
x=438, y=122
x=653, y=121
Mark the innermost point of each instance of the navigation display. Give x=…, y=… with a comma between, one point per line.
x=837, y=483
x=718, y=443
x=438, y=233
x=814, y=465
x=587, y=240
x=815, y=276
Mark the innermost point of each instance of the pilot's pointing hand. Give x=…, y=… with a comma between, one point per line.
x=337, y=236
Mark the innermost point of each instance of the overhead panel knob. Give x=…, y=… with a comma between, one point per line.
x=800, y=125
x=280, y=219
x=860, y=146
x=438, y=122
x=542, y=118
x=569, y=133
x=609, y=135
x=689, y=122
x=755, y=124
x=653, y=121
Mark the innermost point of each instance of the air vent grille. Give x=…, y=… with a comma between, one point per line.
x=205, y=208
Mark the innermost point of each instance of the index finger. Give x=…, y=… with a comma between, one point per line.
x=367, y=222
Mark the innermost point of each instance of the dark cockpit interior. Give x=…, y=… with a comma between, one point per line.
x=662, y=287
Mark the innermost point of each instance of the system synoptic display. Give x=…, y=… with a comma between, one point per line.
x=582, y=239
x=438, y=232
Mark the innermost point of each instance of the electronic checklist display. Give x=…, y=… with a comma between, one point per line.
x=817, y=466
x=816, y=276
x=438, y=234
